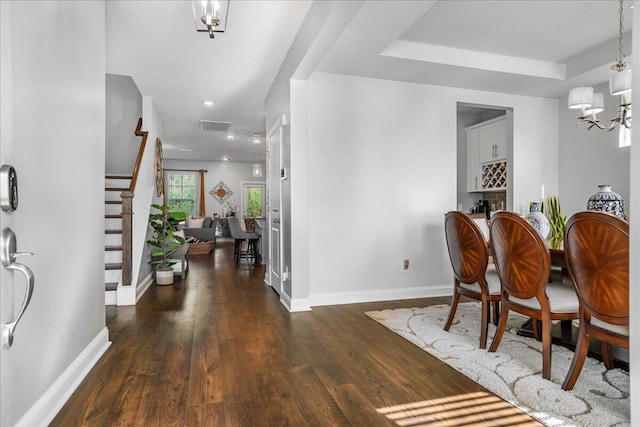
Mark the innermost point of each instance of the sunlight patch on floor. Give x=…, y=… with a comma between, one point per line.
x=477, y=409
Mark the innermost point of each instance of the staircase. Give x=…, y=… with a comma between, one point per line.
x=115, y=185
x=118, y=230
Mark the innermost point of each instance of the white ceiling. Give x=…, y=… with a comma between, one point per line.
x=537, y=48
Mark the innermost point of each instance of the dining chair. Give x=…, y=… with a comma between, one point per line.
x=241, y=237
x=523, y=263
x=468, y=253
x=596, y=248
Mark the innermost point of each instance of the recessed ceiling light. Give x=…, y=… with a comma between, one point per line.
x=186, y=149
x=256, y=137
x=208, y=103
x=225, y=158
x=230, y=137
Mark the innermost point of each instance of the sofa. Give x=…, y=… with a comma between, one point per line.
x=203, y=229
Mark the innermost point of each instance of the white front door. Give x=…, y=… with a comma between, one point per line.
x=275, y=207
x=14, y=282
x=6, y=220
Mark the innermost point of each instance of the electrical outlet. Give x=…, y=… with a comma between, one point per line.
x=405, y=265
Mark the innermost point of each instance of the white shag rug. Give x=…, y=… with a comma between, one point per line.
x=600, y=397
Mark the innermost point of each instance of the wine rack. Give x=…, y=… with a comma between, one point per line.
x=494, y=176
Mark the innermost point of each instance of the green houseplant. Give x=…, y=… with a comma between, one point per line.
x=164, y=241
x=556, y=219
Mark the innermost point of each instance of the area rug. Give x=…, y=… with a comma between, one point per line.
x=599, y=398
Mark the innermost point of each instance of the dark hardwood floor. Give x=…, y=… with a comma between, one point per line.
x=218, y=349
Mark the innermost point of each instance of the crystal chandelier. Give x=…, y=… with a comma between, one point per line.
x=212, y=17
x=590, y=104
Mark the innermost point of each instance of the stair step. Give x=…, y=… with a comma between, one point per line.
x=113, y=202
x=113, y=248
x=113, y=216
x=113, y=286
x=118, y=177
x=116, y=189
x=112, y=231
x=113, y=266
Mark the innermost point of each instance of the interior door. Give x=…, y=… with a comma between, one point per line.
x=275, y=207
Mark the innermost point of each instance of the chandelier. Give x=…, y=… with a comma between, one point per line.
x=591, y=103
x=212, y=17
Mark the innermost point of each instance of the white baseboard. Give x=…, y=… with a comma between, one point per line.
x=110, y=297
x=293, y=305
x=47, y=407
x=144, y=286
x=337, y=298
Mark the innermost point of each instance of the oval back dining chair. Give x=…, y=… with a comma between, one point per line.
x=523, y=263
x=469, y=255
x=596, y=247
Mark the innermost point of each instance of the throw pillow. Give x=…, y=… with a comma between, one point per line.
x=194, y=222
x=208, y=222
x=250, y=225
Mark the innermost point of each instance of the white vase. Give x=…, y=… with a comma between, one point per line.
x=606, y=200
x=164, y=277
x=539, y=220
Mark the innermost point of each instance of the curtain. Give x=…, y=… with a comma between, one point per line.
x=202, y=211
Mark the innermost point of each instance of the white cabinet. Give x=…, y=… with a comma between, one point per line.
x=487, y=154
x=492, y=141
x=474, y=171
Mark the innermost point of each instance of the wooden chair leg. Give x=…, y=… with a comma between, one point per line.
x=607, y=354
x=536, y=325
x=502, y=324
x=454, y=307
x=484, y=324
x=236, y=251
x=546, y=346
x=582, y=347
x=496, y=312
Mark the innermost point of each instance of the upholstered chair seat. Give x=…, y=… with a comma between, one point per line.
x=562, y=299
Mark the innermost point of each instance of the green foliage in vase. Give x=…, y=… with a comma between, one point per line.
x=164, y=241
x=556, y=219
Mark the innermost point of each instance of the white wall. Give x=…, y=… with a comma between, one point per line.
x=145, y=194
x=232, y=173
x=382, y=173
x=590, y=158
x=57, y=115
x=123, y=109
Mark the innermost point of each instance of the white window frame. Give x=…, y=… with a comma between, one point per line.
x=196, y=185
x=249, y=184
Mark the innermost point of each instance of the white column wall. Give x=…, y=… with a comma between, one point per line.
x=382, y=173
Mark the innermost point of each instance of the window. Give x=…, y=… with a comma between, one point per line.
x=182, y=192
x=254, y=196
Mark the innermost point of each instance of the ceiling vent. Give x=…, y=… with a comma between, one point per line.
x=214, y=126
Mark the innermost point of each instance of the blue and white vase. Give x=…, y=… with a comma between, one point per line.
x=606, y=200
x=539, y=220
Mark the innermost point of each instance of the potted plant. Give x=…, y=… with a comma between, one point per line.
x=164, y=241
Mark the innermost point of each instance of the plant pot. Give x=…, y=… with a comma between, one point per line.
x=164, y=277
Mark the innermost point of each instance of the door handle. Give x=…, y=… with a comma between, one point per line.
x=276, y=221
x=8, y=257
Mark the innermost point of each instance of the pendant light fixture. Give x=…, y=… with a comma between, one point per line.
x=210, y=16
x=257, y=167
x=590, y=104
